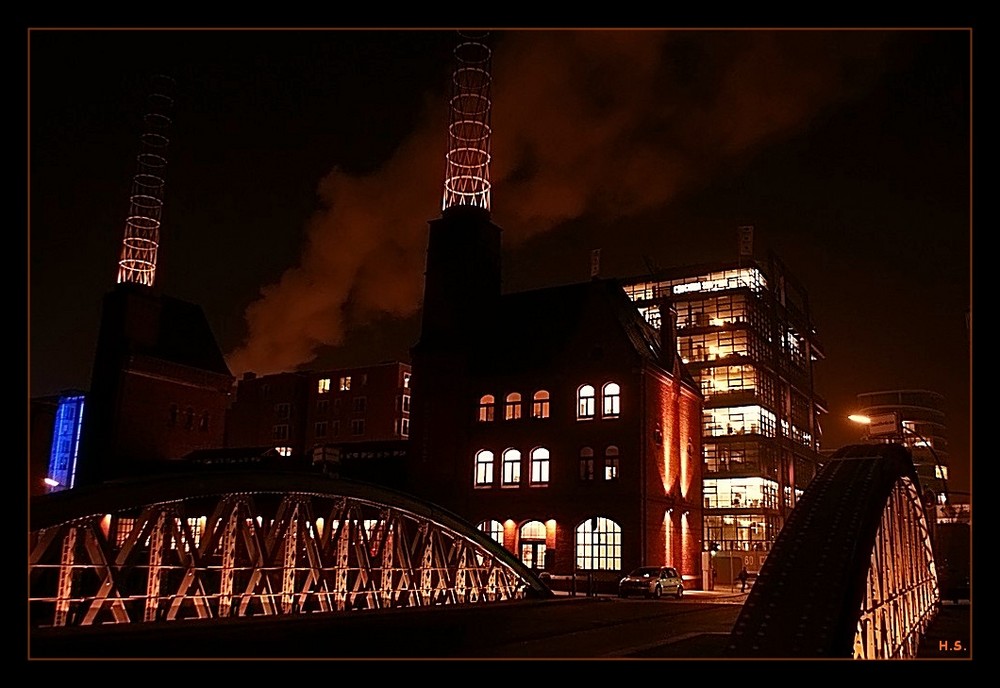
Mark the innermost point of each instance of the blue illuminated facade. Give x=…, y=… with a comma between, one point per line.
x=65, y=443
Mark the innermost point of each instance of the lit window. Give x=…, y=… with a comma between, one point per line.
x=540, y=404
x=532, y=544
x=585, y=402
x=586, y=464
x=494, y=529
x=540, y=466
x=599, y=545
x=611, y=463
x=358, y=426
x=511, y=468
x=402, y=426
x=612, y=398
x=512, y=409
x=280, y=432
x=283, y=410
x=324, y=386
x=486, y=408
x=345, y=383
x=321, y=428
x=484, y=468
x=123, y=529
x=406, y=380
x=283, y=451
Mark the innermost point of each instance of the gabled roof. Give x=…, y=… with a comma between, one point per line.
x=532, y=330
x=186, y=337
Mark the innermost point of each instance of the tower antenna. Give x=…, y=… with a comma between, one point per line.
x=467, y=175
x=142, y=227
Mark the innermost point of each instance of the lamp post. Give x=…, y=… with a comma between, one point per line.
x=888, y=426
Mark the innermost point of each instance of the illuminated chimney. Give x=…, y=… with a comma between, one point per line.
x=142, y=227
x=467, y=175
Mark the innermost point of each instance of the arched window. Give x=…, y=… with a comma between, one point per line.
x=511, y=468
x=540, y=404
x=599, y=545
x=486, y=408
x=611, y=463
x=612, y=400
x=494, y=529
x=512, y=409
x=539, y=466
x=532, y=543
x=484, y=468
x=585, y=402
x=586, y=464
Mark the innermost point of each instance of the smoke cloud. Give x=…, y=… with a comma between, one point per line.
x=586, y=124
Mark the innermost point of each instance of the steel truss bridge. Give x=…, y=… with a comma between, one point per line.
x=223, y=545
x=852, y=572
x=851, y=575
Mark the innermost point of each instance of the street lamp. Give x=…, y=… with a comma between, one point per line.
x=887, y=425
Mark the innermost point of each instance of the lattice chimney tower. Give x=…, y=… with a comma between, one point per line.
x=142, y=227
x=467, y=175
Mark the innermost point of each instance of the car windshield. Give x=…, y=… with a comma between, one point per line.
x=645, y=572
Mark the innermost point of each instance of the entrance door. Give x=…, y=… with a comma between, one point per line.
x=533, y=554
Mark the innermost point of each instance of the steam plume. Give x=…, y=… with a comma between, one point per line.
x=586, y=124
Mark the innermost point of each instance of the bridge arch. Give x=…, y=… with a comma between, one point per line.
x=852, y=572
x=254, y=543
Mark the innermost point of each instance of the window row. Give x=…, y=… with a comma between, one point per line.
x=512, y=406
x=586, y=404
x=358, y=405
x=190, y=420
x=323, y=429
x=586, y=401
x=597, y=543
x=539, y=462
x=343, y=384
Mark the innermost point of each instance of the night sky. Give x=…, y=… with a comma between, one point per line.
x=304, y=166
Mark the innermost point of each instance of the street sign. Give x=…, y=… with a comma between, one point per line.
x=883, y=425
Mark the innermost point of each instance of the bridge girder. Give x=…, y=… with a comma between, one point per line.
x=852, y=572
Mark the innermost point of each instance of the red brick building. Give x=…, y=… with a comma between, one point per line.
x=556, y=420
x=301, y=412
x=159, y=389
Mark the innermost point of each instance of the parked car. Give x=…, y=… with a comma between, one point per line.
x=652, y=581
